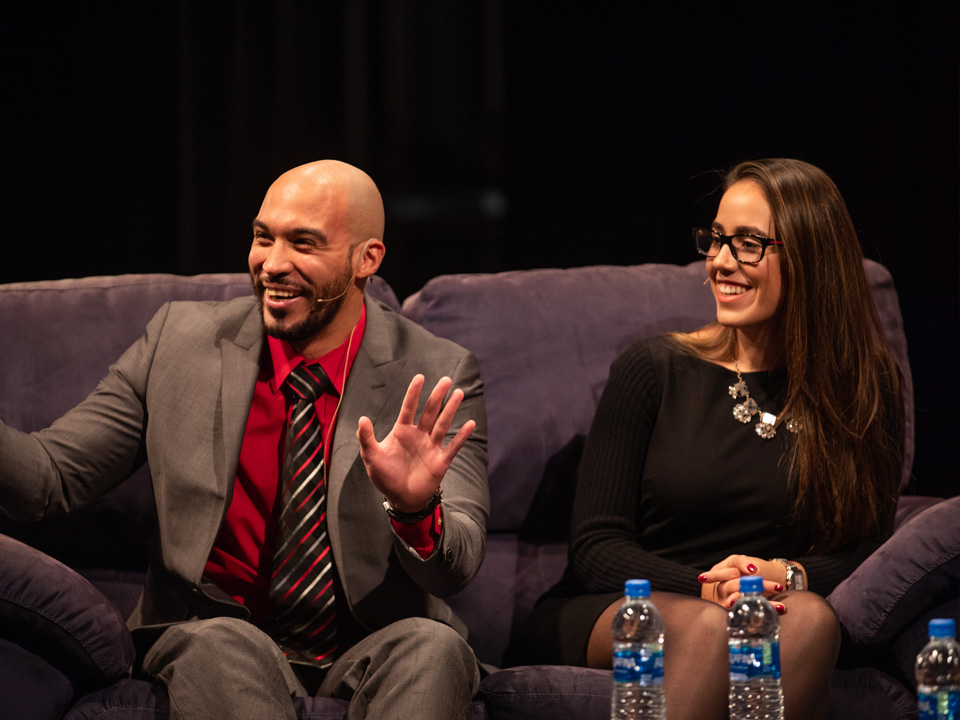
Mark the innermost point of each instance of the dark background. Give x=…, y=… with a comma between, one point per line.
x=140, y=137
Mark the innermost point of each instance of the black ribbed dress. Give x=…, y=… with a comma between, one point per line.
x=670, y=484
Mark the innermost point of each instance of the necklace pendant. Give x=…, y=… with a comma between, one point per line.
x=739, y=390
x=766, y=428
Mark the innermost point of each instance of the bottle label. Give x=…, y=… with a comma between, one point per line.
x=644, y=666
x=759, y=659
x=943, y=705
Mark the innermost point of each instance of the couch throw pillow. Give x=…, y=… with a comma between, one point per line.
x=916, y=569
x=49, y=609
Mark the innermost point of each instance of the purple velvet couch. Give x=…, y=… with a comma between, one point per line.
x=545, y=340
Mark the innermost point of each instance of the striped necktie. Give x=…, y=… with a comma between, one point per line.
x=301, y=587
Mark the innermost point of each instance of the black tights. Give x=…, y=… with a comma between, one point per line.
x=695, y=661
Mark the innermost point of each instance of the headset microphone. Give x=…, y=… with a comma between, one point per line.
x=352, y=277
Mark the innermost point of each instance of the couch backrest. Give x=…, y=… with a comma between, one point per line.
x=60, y=336
x=545, y=340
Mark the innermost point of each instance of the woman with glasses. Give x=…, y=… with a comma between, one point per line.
x=766, y=443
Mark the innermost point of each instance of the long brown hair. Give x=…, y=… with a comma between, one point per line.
x=842, y=382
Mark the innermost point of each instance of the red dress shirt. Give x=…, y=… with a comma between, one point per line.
x=241, y=561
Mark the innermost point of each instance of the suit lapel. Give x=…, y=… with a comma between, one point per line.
x=374, y=387
x=224, y=367
x=240, y=357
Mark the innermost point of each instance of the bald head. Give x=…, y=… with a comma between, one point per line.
x=338, y=187
x=316, y=240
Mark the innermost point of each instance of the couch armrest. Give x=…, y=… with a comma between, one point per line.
x=48, y=609
x=917, y=569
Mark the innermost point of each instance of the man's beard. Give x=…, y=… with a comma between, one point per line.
x=320, y=315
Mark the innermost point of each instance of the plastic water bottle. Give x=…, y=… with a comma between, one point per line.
x=938, y=673
x=637, y=657
x=753, y=632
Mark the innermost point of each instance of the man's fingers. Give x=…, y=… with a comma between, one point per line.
x=408, y=410
x=365, y=435
x=458, y=441
x=445, y=420
x=432, y=407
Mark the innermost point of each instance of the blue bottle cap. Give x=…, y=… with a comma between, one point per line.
x=943, y=627
x=751, y=584
x=637, y=588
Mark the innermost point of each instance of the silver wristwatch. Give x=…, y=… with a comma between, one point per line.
x=794, y=575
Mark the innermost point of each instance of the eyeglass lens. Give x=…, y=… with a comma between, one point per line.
x=745, y=249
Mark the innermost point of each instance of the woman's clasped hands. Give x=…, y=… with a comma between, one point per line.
x=721, y=583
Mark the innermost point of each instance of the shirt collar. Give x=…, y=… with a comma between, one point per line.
x=284, y=358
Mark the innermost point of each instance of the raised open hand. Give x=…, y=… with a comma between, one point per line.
x=410, y=462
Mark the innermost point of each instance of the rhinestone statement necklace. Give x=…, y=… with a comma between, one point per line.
x=744, y=411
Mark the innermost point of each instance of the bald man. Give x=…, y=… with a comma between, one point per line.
x=228, y=621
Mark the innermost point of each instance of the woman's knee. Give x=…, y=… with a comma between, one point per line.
x=809, y=624
x=694, y=628
x=813, y=610
x=704, y=621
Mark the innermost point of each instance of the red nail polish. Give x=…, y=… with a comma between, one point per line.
x=778, y=587
x=780, y=608
x=702, y=578
x=751, y=568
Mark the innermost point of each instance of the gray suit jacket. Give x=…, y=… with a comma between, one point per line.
x=180, y=396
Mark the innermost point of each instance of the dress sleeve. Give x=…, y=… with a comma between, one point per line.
x=825, y=572
x=604, y=551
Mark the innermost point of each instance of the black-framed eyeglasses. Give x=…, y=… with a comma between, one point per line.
x=746, y=249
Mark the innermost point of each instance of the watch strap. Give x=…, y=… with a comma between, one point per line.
x=794, y=579
x=413, y=518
